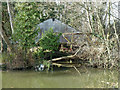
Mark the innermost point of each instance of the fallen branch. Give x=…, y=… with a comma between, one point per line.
x=77, y=52
x=62, y=65
x=65, y=57
x=78, y=33
x=77, y=70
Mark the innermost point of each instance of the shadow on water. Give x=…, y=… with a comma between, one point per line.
x=61, y=78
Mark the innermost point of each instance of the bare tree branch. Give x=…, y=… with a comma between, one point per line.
x=10, y=17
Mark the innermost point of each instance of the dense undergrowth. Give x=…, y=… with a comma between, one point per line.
x=96, y=52
x=100, y=48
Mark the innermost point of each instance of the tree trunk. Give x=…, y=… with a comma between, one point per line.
x=119, y=10
x=1, y=44
x=5, y=38
x=8, y=7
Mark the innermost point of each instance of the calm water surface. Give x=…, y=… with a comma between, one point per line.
x=68, y=78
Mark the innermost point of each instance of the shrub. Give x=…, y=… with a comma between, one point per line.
x=50, y=41
x=48, y=44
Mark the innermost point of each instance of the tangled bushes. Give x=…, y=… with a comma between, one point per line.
x=99, y=52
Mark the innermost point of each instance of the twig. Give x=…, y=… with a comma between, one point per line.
x=79, y=49
x=86, y=69
x=105, y=40
x=117, y=41
x=117, y=37
x=88, y=17
x=65, y=38
x=77, y=52
x=77, y=70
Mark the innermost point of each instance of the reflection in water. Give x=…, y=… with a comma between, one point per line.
x=94, y=78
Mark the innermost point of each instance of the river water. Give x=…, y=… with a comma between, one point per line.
x=62, y=78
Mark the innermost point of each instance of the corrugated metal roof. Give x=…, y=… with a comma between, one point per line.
x=57, y=26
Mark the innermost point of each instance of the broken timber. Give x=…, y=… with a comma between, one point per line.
x=65, y=57
x=71, y=56
x=57, y=64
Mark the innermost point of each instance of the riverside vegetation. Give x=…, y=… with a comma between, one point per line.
x=99, y=49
